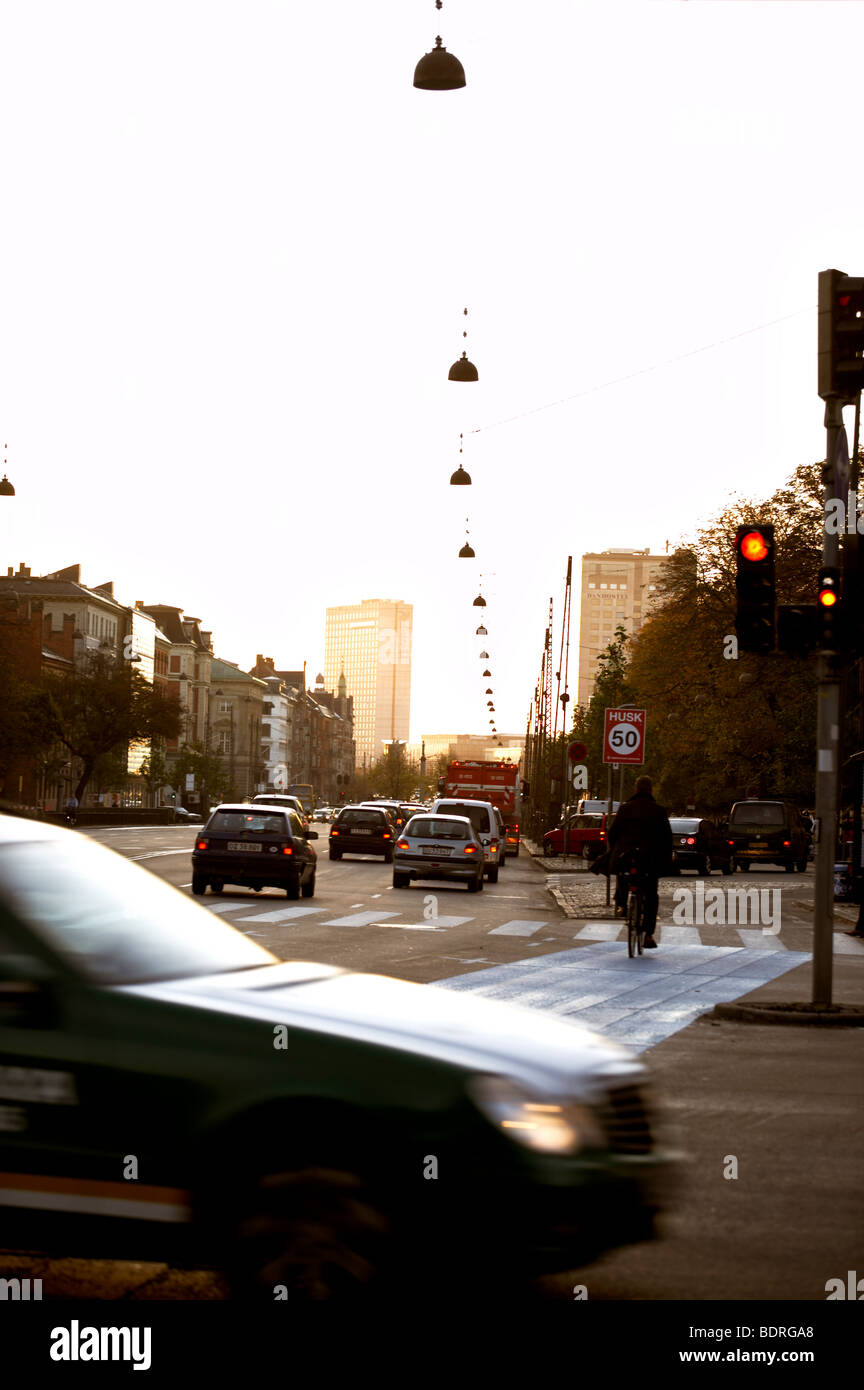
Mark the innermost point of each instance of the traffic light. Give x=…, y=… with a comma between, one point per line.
x=754, y=586
x=831, y=615
x=798, y=628
x=841, y=335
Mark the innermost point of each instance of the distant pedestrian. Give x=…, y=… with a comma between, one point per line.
x=642, y=828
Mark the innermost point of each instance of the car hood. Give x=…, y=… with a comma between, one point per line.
x=481, y=1035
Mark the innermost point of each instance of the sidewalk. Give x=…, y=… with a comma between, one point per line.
x=581, y=894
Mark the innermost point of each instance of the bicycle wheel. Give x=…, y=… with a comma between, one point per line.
x=640, y=923
x=632, y=923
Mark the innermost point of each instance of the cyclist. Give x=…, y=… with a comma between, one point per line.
x=644, y=826
x=72, y=810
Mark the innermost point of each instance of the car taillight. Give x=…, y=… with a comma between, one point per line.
x=730, y=842
x=691, y=840
x=470, y=849
x=333, y=832
x=202, y=844
x=515, y=825
x=386, y=835
x=402, y=844
x=786, y=844
x=287, y=849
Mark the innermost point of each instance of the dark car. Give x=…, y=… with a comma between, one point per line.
x=699, y=845
x=184, y=817
x=769, y=832
x=255, y=847
x=291, y=803
x=282, y=1115
x=586, y=836
x=363, y=830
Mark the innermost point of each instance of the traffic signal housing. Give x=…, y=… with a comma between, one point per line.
x=829, y=602
x=841, y=335
x=754, y=586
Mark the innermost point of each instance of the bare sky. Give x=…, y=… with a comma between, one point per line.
x=236, y=247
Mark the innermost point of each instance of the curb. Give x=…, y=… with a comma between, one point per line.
x=794, y=1014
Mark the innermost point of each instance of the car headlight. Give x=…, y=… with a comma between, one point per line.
x=542, y=1125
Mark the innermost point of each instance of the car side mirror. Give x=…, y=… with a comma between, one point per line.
x=311, y=834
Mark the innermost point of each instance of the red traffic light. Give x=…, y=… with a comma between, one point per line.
x=827, y=594
x=753, y=546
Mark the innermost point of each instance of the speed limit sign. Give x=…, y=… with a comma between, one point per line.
x=624, y=735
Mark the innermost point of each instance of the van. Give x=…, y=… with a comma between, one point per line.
x=595, y=807
x=482, y=816
x=768, y=832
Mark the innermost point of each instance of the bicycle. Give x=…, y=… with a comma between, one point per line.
x=635, y=911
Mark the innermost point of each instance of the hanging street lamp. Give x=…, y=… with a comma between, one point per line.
x=439, y=71
x=460, y=478
x=463, y=370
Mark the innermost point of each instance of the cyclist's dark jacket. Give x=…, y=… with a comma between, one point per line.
x=642, y=824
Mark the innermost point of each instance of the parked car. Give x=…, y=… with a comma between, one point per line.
x=586, y=836
x=439, y=847
x=256, y=847
x=699, y=845
x=482, y=816
x=133, y=1021
x=768, y=832
x=184, y=817
x=293, y=803
x=363, y=830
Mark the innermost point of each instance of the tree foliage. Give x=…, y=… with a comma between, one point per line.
x=99, y=710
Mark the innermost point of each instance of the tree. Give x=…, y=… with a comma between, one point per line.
x=208, y=769
x=154, y=770
x=102, y=708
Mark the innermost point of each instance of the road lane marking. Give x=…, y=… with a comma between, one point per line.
x=519, y=927
x=359, y=919
x=283, y=914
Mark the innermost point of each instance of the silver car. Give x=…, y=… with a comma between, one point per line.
x=435, y=847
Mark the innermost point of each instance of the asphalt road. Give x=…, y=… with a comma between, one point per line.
x=435, y=933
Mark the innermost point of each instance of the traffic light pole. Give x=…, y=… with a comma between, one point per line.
x=827, y=747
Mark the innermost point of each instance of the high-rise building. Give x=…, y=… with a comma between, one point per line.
x=370, y=644
x=618, y=587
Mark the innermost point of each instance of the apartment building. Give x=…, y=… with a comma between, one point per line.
x=618, y=587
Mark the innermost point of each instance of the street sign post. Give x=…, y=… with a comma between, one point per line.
x=624, y=735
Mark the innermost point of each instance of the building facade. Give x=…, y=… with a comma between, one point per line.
x=370, y=644
x=618, y=588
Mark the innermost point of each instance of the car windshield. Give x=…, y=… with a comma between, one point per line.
x=758, y=813
x=255, y=822
x=114, y=923
x=684, y=827
x=428, y=828
x=374, y=819
x=478, y=815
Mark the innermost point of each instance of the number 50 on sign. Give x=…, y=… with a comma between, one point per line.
x=624, y=736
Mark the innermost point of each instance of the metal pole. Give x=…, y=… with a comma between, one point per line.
x=827, y=740
x=608, y=823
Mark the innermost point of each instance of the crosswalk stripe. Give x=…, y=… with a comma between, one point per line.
x=679, y=936
x=765, y=941
x=282, y=914
x=360, y=919
x=599, y=931
x=847, y=945
x=518, y=927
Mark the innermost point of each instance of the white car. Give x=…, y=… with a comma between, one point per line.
x=483, y=817
x=436, y=847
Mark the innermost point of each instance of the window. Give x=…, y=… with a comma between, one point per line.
x=224, y=706
x=223, y=742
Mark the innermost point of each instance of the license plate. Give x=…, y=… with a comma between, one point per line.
x=439, y=853
x=244, y=845
x=359, y=832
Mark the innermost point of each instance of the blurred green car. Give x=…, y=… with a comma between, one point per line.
x=169, y=1090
